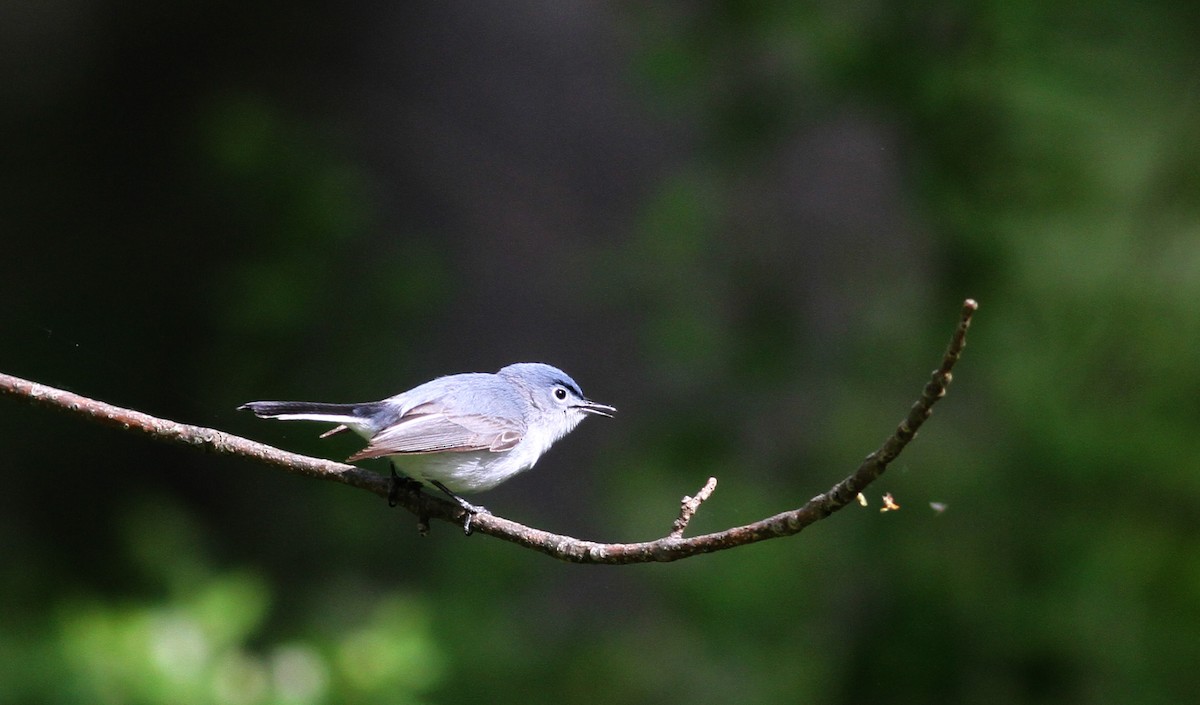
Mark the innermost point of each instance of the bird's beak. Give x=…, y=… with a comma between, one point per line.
x=591, y=407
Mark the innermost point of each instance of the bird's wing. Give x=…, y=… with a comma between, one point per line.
x=429, y=429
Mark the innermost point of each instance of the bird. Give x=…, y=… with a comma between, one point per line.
x=461, y=433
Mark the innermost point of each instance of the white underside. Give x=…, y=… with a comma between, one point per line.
x=462, y=473
x=478, y=471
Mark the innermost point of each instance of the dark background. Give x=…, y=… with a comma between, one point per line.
x=747, y=226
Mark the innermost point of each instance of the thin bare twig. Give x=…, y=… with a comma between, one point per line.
x=669, y=548
x=688, y=507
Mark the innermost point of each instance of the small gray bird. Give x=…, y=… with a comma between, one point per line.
x=461, y=433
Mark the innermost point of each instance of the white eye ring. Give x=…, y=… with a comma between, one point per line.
x=560, y=394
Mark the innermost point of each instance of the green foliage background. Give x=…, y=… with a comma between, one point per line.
x=748, y=226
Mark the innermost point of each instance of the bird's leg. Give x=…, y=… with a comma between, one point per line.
x=403, y=483
x=398, y=484
x=470, y=509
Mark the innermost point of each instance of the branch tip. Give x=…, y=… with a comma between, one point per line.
x=688, y=507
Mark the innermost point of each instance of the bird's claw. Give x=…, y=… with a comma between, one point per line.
x=469, y=510
x=400, y=483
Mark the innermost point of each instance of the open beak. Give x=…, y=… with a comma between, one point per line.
x=591, y=407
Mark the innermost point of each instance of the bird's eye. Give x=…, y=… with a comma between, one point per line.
x=560, y=394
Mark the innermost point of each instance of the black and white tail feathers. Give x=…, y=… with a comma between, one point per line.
x=355, y=416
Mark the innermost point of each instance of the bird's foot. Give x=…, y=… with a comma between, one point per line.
x=400, y=483
x=470, y=510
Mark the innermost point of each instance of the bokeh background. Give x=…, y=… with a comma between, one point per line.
x=749, y=226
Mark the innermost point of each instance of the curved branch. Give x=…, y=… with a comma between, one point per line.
x=669, y=548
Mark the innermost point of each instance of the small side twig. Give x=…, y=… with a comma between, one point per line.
x=688, y=507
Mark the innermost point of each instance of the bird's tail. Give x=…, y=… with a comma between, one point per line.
x=355, y=416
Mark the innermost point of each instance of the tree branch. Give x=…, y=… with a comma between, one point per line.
x=669, y=548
